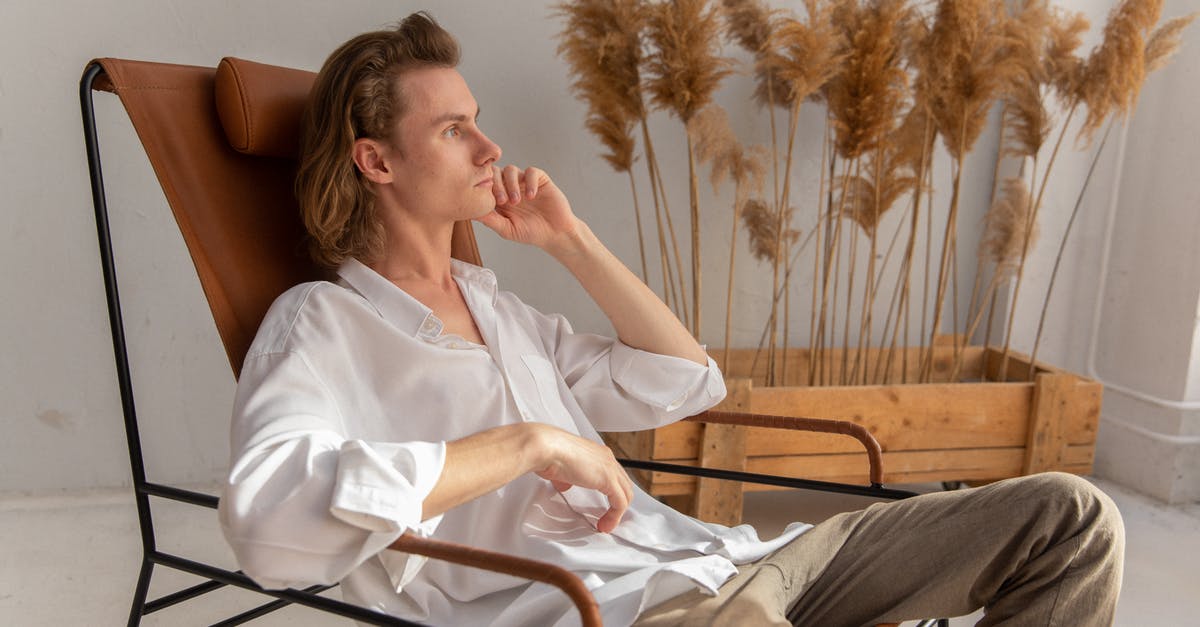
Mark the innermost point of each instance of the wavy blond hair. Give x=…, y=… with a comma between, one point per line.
x=357, y=95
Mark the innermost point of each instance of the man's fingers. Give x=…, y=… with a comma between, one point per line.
x=533, y=178
x=512, y=184
x=618, y=502
x=619, y=493
x=498, y=186
x=608, y=521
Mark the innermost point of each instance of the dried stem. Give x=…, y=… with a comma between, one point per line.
x=637, y=216
x=677, y=269
x=780, y=225
x=1033, y=212
x=694, y=197
x=833, y=253
x=947, y=243
x=669, y=295
x=813, y=340
x=1063, y=246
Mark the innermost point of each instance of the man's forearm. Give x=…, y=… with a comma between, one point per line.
x=640, y=318
x=480, y=463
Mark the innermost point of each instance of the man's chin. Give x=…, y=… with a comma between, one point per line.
x=483, y=208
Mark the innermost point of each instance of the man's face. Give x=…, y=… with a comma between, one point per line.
x=441, y=160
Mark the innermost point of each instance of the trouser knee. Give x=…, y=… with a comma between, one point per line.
x=1078, y=502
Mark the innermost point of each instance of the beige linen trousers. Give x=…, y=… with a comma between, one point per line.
x=1040, y=550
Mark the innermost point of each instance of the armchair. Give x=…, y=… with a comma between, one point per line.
x=222, y=143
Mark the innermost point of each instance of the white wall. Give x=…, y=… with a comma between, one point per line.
x=57, y=387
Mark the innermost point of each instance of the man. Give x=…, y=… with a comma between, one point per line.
x=413, y=395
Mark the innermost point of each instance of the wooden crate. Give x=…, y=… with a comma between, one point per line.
x=939, y=431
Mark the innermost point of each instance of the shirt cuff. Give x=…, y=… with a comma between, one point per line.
x=672, y=384
x=380, y=487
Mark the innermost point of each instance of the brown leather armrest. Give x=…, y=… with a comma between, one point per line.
x=858, y=432
x=557, y=576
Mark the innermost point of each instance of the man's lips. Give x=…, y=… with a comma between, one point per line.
x=487, y=182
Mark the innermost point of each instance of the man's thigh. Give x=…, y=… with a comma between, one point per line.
x=1012, y=546
x=929, y=556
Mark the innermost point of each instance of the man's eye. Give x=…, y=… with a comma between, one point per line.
x=451, y=132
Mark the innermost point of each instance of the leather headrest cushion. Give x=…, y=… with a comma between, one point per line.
x=261, y=106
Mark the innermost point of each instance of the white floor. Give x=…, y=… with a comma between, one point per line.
x=73, y=560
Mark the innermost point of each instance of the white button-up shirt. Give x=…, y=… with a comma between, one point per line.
x=346, y=400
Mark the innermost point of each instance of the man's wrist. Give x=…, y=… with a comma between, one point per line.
x=577, y=243
x=535, y=448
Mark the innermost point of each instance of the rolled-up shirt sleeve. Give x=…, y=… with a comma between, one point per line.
x=621, y=388
x=305, y=505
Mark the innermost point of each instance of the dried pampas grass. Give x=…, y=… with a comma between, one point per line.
x=1009, y=231
x=864, y=97
x=1164, y=42
x=602, y=44
x=892, y=172
x=964, y=62
x=1158, y=49
x=751, y=23
x=810, y=54
x=616, y=134
x=1005, y=227
x=867, y=202
x=683, y=71
x=1113, y=74
x=964, y=66
x=761, y=225
x=717, y=145
x=1063, y=67
x=685, y=67
x=1026, y=118
x=912, y=141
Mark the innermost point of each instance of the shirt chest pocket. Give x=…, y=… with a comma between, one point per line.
x=548, y=405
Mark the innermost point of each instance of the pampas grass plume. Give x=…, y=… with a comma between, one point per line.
x=1164, y=42
x=865, y=96
x=810, y=54
x=751, y=23
x=965, y=66
x=717, y=145
x=1063, y=67
x=1112, y=75
x=1028, y=122
x=601, y=42
x=761, y=222
x=1005, y=226
x=685, y=68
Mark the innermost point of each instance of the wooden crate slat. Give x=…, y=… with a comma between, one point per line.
x=723, y=446
x=796, y=363
x=948, y=416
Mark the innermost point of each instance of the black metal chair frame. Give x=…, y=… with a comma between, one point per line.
x=217, y=578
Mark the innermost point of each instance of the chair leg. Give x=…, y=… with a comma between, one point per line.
x=139, y=593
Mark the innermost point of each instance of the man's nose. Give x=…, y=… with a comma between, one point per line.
x=489, y=150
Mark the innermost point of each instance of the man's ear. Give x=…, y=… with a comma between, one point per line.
x=369, y=159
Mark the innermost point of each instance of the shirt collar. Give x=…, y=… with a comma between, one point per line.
x=402, y=310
